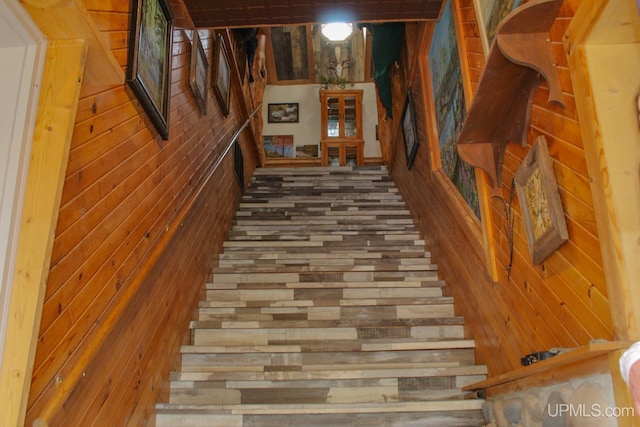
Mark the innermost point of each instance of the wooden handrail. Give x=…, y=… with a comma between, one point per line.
x=70, y=381
x=544, y=367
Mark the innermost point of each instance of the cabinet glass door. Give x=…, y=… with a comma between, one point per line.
x=333, y=117
x=350, y=123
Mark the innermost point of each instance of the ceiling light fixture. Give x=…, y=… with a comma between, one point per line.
x=337, y=31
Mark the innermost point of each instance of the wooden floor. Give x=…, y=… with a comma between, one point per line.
x=325, y=310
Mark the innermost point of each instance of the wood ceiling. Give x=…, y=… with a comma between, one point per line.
x=256, y=13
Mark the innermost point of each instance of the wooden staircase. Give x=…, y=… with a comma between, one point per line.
x=325, y=310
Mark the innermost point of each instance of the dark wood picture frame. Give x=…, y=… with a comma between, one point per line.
x=149, y=61
x=409, y=131
x=222, y=75
x=540, y=203
x=283, y=113
x=199, y=72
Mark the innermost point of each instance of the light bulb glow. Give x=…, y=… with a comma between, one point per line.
x=337, y=31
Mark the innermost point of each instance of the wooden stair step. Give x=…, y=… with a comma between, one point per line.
x=353, y=276
x=424, y=414
x=359, y=320
x=329, y=284
x=391, y=319
x=398, y=233
x=334, y=294
x=327, y=291
x=328, y=373
x=205, y=362
x=338, y=304
x=254, y=336
x=291, y=258
x=322, y=267
x=368, y=390
x=358, y=253
x=361, y=345
x=296, y=244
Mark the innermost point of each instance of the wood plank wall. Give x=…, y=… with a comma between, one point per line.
x=124, y=188
x=560, y=303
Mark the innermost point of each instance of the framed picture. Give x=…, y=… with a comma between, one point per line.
x=450, y=107
x=278, y=146
x=540, y=203
x=310, y=150
x=149, y=62
x=409, y=131
x=283, y=113
x=199, y=72
x=222, y=75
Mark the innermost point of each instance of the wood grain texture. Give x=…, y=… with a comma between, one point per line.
x=64, y=65
x=124, y=193
x=561, y=303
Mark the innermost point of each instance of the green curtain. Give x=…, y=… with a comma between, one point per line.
x=385, y=49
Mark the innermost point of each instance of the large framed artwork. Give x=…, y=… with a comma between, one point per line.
x=199, y=72
x=149, y=62
x=222, y=75
x=489, y=14
x=409, y=132
x=540, y=203
x=450, y=106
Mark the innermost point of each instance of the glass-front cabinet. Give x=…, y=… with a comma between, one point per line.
x=341, y=141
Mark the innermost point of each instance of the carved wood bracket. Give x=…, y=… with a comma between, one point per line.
x=519, y=60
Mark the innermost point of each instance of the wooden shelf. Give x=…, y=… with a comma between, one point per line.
x=520, y=59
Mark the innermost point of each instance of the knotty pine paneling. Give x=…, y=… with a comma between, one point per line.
x=123, y=189
x=561, y=303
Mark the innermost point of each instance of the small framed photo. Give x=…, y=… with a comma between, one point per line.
x=222, y=75
x=409, y=132
x=149, y=61
x=283, y=113
x=540, y=203
x=199, y=72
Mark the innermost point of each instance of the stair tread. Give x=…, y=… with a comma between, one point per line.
x=336, y=345
x=390, y=284
x=328, y=373
x=467, y=404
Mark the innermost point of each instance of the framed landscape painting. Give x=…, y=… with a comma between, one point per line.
x=149, y=62
x=450, y=106
x=278, y=146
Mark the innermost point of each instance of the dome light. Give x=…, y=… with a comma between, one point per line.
x=337, y=31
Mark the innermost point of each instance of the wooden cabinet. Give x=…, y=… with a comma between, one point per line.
x=341, y=141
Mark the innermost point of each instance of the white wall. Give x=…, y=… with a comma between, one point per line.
x=307, y=130
x=22, y=50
